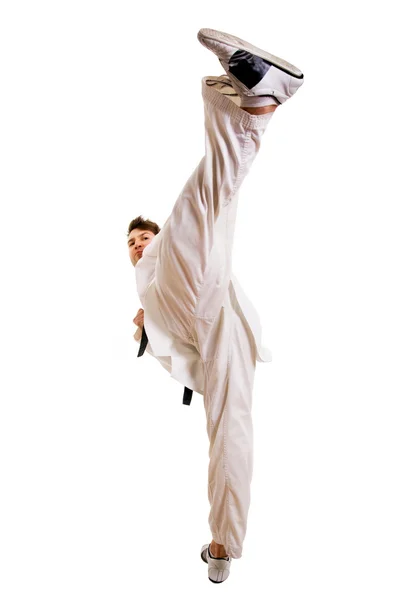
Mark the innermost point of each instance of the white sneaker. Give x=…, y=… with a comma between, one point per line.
x=252, y=71
x=218, y=568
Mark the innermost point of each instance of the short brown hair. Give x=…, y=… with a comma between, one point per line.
x=143, y=224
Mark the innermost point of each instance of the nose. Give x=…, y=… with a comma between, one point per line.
x=138, y=248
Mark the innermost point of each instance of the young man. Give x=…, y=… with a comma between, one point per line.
x=198, y=321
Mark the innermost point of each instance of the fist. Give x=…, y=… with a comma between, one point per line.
x=139, y=319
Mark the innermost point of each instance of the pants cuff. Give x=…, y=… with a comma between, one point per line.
x=223, y=103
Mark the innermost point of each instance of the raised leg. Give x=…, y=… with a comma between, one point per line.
x=196, y=241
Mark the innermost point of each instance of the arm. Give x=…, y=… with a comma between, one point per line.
x=139, y=321
x=138, y=334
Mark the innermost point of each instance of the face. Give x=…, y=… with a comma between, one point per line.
x=137, y=241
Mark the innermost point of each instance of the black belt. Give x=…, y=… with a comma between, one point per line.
x=187, y=395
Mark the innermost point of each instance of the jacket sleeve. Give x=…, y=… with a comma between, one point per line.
x=138, y=336
x=165, y=361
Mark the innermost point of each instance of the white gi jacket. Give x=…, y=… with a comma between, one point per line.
x=182, y=360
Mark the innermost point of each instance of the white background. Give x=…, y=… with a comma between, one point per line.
x=103, y=470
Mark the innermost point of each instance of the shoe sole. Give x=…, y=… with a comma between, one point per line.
x=231, y=40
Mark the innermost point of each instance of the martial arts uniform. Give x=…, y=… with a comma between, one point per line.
x=200, y=325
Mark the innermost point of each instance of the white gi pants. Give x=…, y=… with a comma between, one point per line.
x=200, y=308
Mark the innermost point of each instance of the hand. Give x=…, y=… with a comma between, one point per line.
x=139, y=319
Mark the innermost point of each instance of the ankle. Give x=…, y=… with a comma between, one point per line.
x=259, y=110
x=217, y=550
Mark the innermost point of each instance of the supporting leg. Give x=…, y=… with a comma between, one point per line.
x=229, y=378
